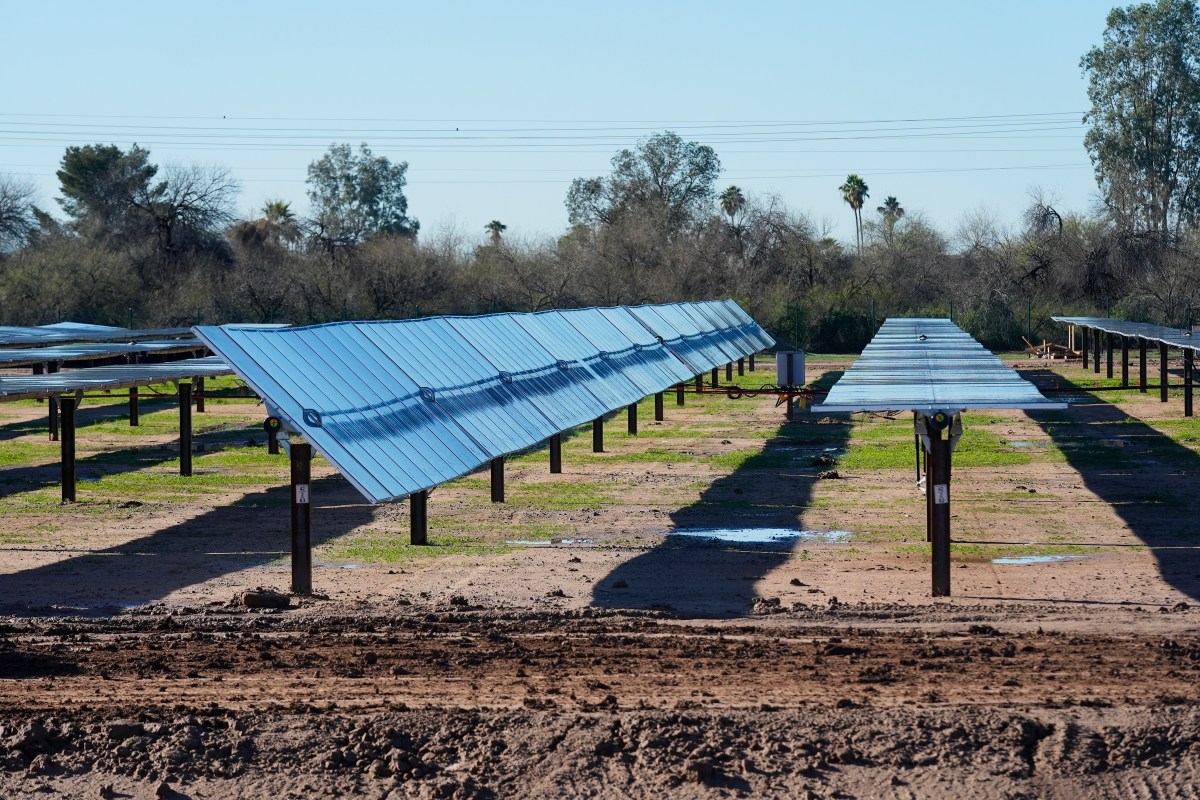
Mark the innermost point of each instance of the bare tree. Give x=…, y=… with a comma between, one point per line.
x=17, y=218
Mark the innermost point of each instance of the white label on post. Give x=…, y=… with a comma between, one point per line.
x=302, y=493
x=941, y=494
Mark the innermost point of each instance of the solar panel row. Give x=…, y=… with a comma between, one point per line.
x=1173, y=337
x=929, y=365
x=399, y=407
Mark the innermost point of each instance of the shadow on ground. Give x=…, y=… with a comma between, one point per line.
x=248, y=533
x=695, y=577
x=1149, y=478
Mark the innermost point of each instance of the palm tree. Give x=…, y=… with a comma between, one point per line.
x=495, y=227
x=854, y=191
x=732, y=201
x=892, y=212
x=280, y=222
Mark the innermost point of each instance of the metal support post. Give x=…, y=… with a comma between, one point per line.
x=301, y=518
x=633, y=419
x=1124, y=362
x=52, y=368
x=418, y=517
x=556, y=453
x=1142, y=366
x=1108, y=363
x=658, y=407
x=715, y=378
x=729, y=372
x=67, y=447
x=752, y=362
x=741, y=366
x=598, y=435
x=699, y=383
x=679, y=390
x=1162, y=371
x=199, y=395
x=185, y=429
x=938, y=489
x=498, y=479
x=133, y=407
x=1096, y=354
x=1189, y=372
x=1083, y=345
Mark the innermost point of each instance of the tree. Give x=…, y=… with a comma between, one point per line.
x=732, y=201
x=892, y=212
x=495, y=228
x=1144, y=134
x=17, y=217
x=854, y=191
x=664, y=178
x=101, y=184
x=358, y=196
x=190, y=205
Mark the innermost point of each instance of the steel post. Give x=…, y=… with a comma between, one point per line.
x=301, y=518
x=658, y=407
x=598, y=435
x=715, y=378
x=1096, y=354
x=752, y=362
x=939, y=489
x=679, y=390
x=185, y=429
x=497, y=465
x=1108, y=363
x=1124, y=362
x=1083, y=346
x=133, y=407
x=556, y=453
x=67, y=448
x=1142, y=366
x=729, y=372
x=1162, y=371
x=199, y=395
x=52, y=368
x=418, y=520
x=1189, y=371
x=741, y=366
x=633, y=419
x=699, y=383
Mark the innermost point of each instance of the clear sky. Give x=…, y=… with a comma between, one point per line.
x=950, y=106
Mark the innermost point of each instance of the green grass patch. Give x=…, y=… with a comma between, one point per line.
x=373, y=546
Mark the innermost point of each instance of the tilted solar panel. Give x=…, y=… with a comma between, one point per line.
x=399, y=407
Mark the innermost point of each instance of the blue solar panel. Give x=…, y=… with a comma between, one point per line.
x=929, y=365
x=1173, y=337
x=399, y=407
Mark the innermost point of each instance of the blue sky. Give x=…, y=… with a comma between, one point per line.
x=950, y=106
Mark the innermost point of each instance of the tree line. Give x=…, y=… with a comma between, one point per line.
x=163, y=246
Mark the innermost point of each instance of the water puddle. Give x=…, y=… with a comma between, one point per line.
x=1022, y=445
x=547, y=542
x=760, y=535
x=1021, y=560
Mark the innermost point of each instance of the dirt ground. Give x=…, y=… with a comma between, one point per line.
x=612, y=659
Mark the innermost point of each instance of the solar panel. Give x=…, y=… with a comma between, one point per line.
x=88, y=379
x=63, y=332
x=91, y=351
x=929, y=365
x=400, y=407
x=1180, y=338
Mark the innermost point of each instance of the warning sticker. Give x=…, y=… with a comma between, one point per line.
x=302, y=493
x=941, y=494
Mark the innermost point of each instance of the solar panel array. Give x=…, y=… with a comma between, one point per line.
x=90, y=379
x=1173, y=337
x=63, y=332
x=400, y=407
x=929, y=365
x=93, y=351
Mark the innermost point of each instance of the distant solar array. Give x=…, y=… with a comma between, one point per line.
x=64, y=332
x=93, y=379
x=1180, y=338
x=929, y=365
x=400, y=407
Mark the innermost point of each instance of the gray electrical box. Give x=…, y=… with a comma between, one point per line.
x=789, y=368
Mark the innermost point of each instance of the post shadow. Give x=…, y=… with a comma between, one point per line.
x=695, y=577
x=1149, y=465
x=247, y=533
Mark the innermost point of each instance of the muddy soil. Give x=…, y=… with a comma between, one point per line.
x=623, y=662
